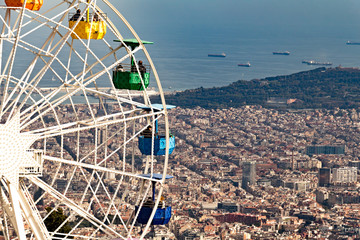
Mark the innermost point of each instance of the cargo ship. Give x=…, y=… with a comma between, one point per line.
x=352, y=43
x=244, y=64
x=312, y=62
x=282, y=53
x=217, y=55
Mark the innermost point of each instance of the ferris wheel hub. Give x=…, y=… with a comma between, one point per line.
x=15, y=157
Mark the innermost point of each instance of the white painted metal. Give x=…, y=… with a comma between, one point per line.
x=8, y=212
x=14, y=156
x=32, y=215
x=80, y=136
x=17, y=215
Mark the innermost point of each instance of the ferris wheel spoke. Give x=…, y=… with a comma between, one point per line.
x=74, y=207
x=41, y=51
x=76, y=88
x=9, y=102
x=93, y=65
x=11, y=107
x=45, y=102
x=11, y=206
x=112, y=206
x=32, y=19
x=44, y=21
x=26, y=75
x=10, y=62
x=6, y=23
x=94, y=192
x=72, y=127
x=35, y=81
x=44, y=105
x=96, y=167
x=33, y=217
x=118, y=207
x=122, y=200
x=102, y=121
x=23, y=81
x=98, y=148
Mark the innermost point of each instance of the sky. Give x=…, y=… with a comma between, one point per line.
x=199, y=16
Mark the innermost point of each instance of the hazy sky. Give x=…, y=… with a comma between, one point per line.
x=287, y=16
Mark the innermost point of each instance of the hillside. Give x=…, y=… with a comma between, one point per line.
x=318, y=88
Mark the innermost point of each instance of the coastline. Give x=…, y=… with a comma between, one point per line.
x=317, y=88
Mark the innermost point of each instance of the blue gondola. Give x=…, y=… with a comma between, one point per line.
x=145, y=144
x=163, y=213
x=145, y=141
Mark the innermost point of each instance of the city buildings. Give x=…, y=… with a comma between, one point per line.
x=289, y=195
x=324, y=177
x=291, y=188
x=344, y=175
x=248, y=174
x=320, y=149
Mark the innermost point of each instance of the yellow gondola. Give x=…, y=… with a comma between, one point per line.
x=93, y=27
x=34, y=5
x=82, y=30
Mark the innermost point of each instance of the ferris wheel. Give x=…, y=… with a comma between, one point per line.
x=83, y=150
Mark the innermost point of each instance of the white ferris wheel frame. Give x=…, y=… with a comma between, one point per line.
x=15, y=198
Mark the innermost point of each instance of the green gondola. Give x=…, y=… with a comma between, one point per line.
x=126, y=76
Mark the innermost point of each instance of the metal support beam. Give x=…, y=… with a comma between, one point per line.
x=19, y=222
x=29, y=209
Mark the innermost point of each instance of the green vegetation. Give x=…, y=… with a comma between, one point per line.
x=55, y=219
x=319, y=88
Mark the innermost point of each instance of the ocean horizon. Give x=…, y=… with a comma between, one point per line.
x=183, y=38
x=185, y=32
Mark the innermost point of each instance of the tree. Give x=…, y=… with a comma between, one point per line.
x=55, y=219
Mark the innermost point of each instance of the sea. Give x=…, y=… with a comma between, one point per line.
x=185, y=32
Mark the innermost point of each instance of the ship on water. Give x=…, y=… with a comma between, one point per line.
x=281, y=53
x=312, y=62
x=244, y=64
x=352, y=43
x=217, y=55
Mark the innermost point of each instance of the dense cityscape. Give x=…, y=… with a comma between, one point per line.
x=217, y=150
x=248, y=173
x=247, y=129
